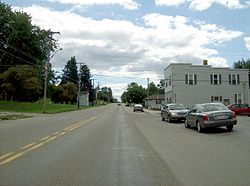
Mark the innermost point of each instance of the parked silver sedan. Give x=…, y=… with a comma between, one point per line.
x=210, y=115
x=174, y=111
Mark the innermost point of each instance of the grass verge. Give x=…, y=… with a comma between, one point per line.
x=12, y=106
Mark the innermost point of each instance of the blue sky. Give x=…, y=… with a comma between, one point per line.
x=124, y=41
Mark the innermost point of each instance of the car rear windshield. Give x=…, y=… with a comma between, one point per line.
x=213, y=107
x=177, y=107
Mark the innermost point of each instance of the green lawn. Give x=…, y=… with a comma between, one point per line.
x=11, y=106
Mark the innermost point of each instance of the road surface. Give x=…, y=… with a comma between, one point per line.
x=112, y=145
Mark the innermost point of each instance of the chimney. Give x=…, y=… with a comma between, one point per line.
x=204, y=62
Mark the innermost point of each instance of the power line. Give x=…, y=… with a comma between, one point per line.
x=20, y=51
x=20, y=58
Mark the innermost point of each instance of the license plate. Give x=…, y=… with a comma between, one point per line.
x=221, y=117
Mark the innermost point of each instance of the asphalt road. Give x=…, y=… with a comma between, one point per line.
x=112, y=145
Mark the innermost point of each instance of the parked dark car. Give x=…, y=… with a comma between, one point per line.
x=240, y=109
x=210, y=115
x=174, y=111
x=138, y=107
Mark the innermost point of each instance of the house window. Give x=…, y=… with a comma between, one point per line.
x=234, y=79
x=190, y=79
x=216, y=98
x=170, y=81
x=215, y=79
x=186, y=79
x=237, y=98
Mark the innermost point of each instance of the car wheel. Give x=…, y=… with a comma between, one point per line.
x=186, y=124
x=169, y=119
x=199, y=128
x=229, y=128
x=162, y=119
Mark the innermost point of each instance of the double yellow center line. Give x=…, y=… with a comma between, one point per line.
x=6, y=158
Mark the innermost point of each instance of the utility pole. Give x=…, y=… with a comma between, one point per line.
x=79, y=85
x=148, y=86
x=98, y=87
x=95, y=90
x=46, y=72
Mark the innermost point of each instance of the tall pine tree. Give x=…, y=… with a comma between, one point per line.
x=86, y=84
x=70, y=72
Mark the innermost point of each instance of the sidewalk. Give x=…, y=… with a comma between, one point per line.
x=149, y=111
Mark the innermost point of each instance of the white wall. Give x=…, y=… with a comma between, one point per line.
x=203, y=90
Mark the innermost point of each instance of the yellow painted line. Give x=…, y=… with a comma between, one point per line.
x=45, y=138
x=6, y=155
x=12, y=158
x=51, y=139
x=20, y=154
x=70, y=126
x=32, y=146
x=28, y=146
x=62, y=133
x=56, y=133
x=74, y=127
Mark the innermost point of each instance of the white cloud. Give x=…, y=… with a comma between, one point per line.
x=247, y=41
x=128, y=4
x=201, y=5
x=117, y=88
x=169, y=2
x=121, y=48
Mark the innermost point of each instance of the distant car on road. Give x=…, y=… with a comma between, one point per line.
x=119, y=103
x=240, y=109
x=210, y=115
x=174, y=111
x=138, y=107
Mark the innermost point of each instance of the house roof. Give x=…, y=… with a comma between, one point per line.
x=155, y=97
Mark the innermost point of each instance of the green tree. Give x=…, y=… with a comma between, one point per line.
x=124, y=98
x=105, y=94
x=22, y=43
x=65, y=93
x=70, y=72
x=134, y=94
x=20, y=83
x=242, y=64
x=153, y=90
x=57, y=94
x=69, y=92
x=161, y=86
x=86, y=83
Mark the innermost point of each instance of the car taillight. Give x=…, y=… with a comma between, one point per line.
x=234, y=115
x=205, y=117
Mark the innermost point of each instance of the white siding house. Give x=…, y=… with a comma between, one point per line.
x=190, y=84
x=154, y=101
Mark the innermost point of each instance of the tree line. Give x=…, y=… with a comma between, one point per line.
x=24, y=50
x=136, y=93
